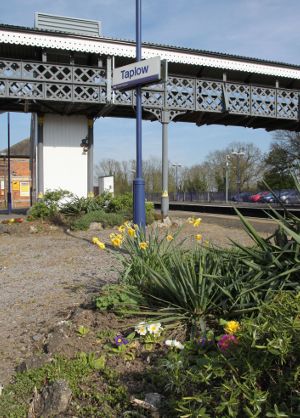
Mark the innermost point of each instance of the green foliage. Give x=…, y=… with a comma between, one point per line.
x=106, y=219
x=259, y=377
x=15, y=397
x=120, y=203
x=90, y=359
x=118, y=298
x=136, y=261
x=93, y=395
x=196, y=286
x=49, y=204
x=82, y=331
x=81, y=205
x=149, y=207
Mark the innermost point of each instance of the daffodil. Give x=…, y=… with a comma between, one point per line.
x=170, y=237
x=143, y=245
x=154, y=328
x=131, y=232
x=190, y=220
x=116, y=242
x=113, y=236
x=121, y=228
x=232, y=327
x=197, y=222
x=99, y=244
x=141, y=328
x=198, y=237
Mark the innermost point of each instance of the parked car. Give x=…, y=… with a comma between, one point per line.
x=290, y=196
x=271, y=197
x=285, y=196
x=241, y=197
x=258, y=196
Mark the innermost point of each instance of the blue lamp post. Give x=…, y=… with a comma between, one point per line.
x=139, y=216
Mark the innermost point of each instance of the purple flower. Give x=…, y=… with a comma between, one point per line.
x=120, y=340
x=202, y=341
x=227, y=341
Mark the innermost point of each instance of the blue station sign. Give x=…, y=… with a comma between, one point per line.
x=137, y=74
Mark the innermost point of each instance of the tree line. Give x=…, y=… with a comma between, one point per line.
x=244, y=165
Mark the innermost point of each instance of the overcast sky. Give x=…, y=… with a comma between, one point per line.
x=267, y=29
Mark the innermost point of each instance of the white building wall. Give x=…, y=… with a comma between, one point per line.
x=65, y=163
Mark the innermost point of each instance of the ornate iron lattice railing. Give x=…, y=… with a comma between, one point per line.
x=70, y=83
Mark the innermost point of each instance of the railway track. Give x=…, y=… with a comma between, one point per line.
x=229, y=209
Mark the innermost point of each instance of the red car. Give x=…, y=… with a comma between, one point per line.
x=257, y=197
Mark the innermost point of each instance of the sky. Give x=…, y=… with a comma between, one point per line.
x=267, y=29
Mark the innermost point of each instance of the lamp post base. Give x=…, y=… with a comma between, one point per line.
x=164, y=206
x=139, y=213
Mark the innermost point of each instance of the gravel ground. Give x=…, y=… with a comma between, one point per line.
x=43, y=275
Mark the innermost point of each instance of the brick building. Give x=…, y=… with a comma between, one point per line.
x=20, y=175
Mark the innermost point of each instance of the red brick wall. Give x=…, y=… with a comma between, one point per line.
x=20, y=178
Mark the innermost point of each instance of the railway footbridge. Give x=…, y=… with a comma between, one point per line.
x=62, y=74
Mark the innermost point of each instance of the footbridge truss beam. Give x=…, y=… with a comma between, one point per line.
x=70, y=89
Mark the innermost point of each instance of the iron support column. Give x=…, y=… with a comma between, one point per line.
x=165, y=164
x=226, y=177
x=90, y=157
x=139, y=215
x=9, y=200
x=238, y=175
x=40, y=156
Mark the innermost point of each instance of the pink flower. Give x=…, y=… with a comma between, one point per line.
x=227, y=341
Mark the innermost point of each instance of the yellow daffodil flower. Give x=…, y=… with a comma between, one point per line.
x=170, y=237
x=232, y=327
x=131, y=232
x=197, y=222
x=121, y=228
x=99, y=244
x=190, y=220
x=198, y=237
x=116, y=242
x=143, y=245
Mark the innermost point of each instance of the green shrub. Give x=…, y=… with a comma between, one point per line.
x=149, y=212
x=118, y=298
x=49, y=204
x=120, y=203
x=81, y=205
x=106, y=219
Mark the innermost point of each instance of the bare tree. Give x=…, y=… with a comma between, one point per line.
x=247, y=164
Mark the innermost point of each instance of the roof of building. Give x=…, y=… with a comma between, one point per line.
x=20, y=149
x=150, y=44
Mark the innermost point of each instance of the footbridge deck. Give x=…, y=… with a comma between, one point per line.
x=52, y=72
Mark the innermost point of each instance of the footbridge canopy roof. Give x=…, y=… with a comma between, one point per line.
x=187, y=61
